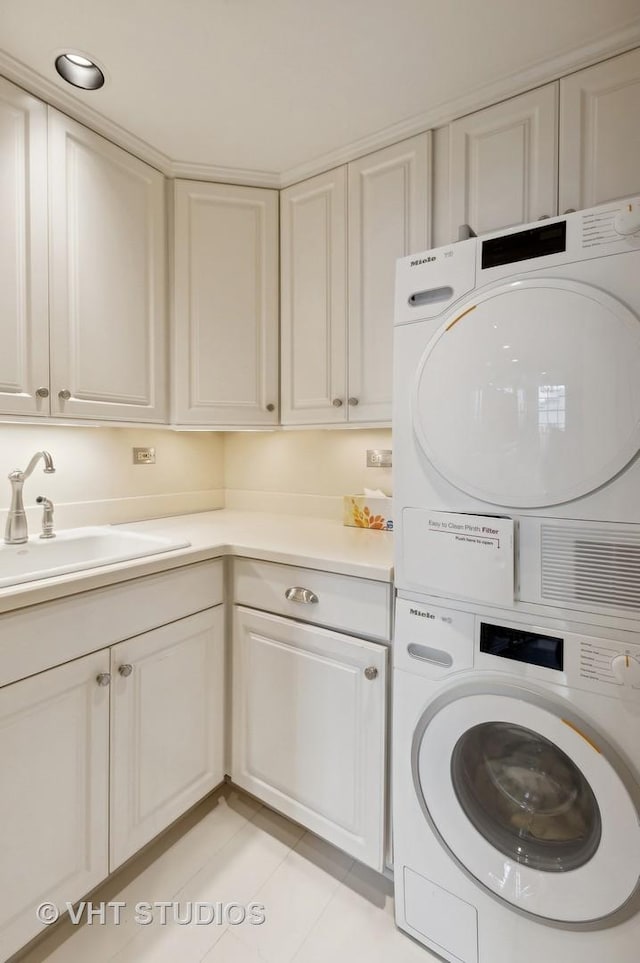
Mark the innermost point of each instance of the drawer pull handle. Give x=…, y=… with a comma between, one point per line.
x=103, y=679
x=297, y=594
x=371, y=673
x=125, y=670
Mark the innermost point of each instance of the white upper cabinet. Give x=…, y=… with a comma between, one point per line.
x=389, y=194
x=24, y=322
x=225, y=323
x=342, y=233
x=503, y=164
x=314, y=300
x=108, y=293
x=600, y=133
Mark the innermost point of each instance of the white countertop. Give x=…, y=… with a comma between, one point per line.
x=307, y=542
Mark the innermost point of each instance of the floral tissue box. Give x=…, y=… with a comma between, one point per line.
x=364, y=511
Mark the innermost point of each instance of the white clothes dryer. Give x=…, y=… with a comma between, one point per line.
x=517, y=394
x=516, y=786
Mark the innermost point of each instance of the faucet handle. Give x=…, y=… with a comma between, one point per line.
x=47, y=517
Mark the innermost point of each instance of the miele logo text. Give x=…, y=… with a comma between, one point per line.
x=423, y=615
x=421, y=260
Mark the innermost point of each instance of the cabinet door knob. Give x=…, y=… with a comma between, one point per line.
x=353, y=402
x=570, y=210
x=64, y=395
x=298, y=594
x=544, y=217
x=103, y=678
x=42, y=392
x=337, y=402
x=125, y=670
x=371, y=672
x=271, y=407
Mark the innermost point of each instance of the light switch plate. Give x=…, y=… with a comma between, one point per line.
x=379, y=458
x=144, y=456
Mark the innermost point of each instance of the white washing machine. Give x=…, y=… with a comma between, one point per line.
x=517, y=398
x=516, y=793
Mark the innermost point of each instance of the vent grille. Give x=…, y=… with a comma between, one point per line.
x=591, y=566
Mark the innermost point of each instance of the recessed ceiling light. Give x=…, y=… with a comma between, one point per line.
x=79, y=71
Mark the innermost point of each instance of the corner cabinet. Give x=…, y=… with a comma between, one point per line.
x=107, y=279
x=24, y=296
x=342, y=233
x=225, y=312
x=600, y=133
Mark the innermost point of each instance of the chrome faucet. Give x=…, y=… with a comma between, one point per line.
x=47, y=517
x=16, y=532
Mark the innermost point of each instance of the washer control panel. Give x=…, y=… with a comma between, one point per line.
x=609, y=663
x=436, y=642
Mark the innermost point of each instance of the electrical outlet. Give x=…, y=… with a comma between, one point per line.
x=144, y=456
x=378, y=458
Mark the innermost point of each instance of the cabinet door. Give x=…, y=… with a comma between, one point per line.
x=108, y=333
x=388, y=219
x=54, y=759
x=24, y=354
x=600, y=133
x=225, y=338
x=503, y=163
x=313, y=220
x=167, y=719
x=308, y=735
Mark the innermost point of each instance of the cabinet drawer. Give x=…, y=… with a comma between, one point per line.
x=358, y=605
x=49, y=634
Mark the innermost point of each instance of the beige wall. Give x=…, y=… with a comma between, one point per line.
x=96, y=480
x=303, y=472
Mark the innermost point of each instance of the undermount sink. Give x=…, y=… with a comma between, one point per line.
x=75, y=549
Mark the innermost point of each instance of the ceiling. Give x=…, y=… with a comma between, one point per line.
x=273, y=88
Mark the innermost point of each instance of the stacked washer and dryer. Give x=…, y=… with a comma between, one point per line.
x=516, y=684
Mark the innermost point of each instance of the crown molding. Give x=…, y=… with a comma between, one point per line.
x=543, y=72
x=225, y=175
x=49, y=91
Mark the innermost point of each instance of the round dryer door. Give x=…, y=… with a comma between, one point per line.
x=530, y=802
x=529, y=395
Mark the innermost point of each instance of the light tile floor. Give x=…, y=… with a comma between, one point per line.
x=320, y=905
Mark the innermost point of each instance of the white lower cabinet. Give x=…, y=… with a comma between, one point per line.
x=101, y=753
x=54, y=819
x=167, y=720
x=308, y=736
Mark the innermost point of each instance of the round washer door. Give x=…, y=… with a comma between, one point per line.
x=530, y=803
x=530, y=394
